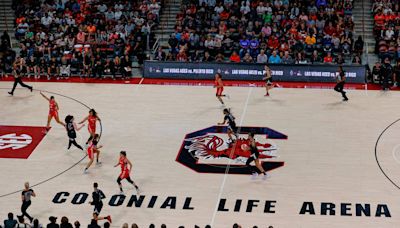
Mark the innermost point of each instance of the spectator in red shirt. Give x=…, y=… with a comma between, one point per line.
x=235, y=57
x=328, y=58
x=330, y=30
x=273, y=42
x=181, y=56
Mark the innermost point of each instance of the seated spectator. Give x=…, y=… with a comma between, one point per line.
x=274, y=58
x=356, y=60
x=315, y=58
x=21, y=223
x=160, y=55
x=109, y=68
x=300, y=58
x=328, y=58
x=207, y=57
x=247, y=58
x=262, y=57
x=36, y=224
x=234, y=57
x=339, y=59
x=93, y=224
x=126, y=67
x=10, y=222
x=53, y=223
x=287, y=59
x=65, y=223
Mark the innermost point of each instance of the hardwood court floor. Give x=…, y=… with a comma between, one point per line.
x=329, y=156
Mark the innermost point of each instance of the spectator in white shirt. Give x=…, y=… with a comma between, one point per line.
x=262, y=57
x=46, y=20
x=218, y=9
x=117, y=14
x=110, y=15
x=102, y=8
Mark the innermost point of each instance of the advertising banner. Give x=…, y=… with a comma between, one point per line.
x=251, y=72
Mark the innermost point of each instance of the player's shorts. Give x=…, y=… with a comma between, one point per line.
x=255, y=155
x=124, y=174
x=97, y=208
x=219, y=91
x=92, y=129
x=53, y=114
x=268, y=82
x=91, y=153
x=232, y=128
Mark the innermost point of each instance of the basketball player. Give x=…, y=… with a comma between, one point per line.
x=254, y=156
x=53, y=111
x=92, y=119
x=126, y=167
x=268, y=79
x=19, y=68
x=232, y=128
x=91, y=150
x=97, y=202
x=71, y=127
x=341, y=80
x=220, y=88
x=26, y=195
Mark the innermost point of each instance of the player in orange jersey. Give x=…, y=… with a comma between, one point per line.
x=126, y=167
x=220, y=88
x=53, y=111
x=92, y=119
x=93, y=149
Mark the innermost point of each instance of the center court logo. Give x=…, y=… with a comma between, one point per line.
x=14, y=141
x=206, y=150
x=19, y=141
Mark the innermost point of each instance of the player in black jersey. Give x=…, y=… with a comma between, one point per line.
x=71, y=127
x=232, y=128
x=97, y=202
x=254, y=157
x=341, y=80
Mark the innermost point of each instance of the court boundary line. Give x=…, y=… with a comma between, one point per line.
x=230, y=161
x=71, y=167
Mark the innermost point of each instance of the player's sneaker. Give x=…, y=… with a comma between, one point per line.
x=122, y=193
x=227, y=96
x=109, y=218
x=254, y=176
x=85, y=171
x=265, y=176
x=138, y=191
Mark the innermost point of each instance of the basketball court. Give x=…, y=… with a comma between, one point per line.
x=334, y=164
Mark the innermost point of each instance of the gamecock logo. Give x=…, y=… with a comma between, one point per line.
x=207, y=150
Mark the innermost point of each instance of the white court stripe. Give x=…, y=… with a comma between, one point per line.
x=230, y=160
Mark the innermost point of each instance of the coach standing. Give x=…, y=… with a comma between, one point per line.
x=26, y=195
x=19, y=68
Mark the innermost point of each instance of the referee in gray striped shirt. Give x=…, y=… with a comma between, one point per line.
x=26, y=195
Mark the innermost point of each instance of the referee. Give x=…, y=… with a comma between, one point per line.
x=19, y=68
x=340, y=83
x=26, y=195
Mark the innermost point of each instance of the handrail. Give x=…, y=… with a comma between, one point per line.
x=363, y=31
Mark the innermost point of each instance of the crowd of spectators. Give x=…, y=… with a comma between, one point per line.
x=91, y=37
x=268, y=31
x=20, y=222
x=386, y=28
